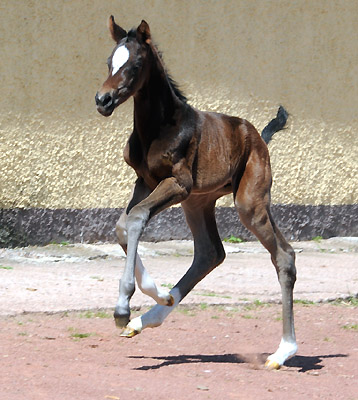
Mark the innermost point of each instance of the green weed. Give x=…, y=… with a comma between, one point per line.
x=233, y=239
x=96, y=314
x=212, y=294
x=186, y=311
x=5, y=267
x=350, y=301
x=98, y=278
x=304, y=302
x=167, y=285
x=81, y=335
x=350, y=327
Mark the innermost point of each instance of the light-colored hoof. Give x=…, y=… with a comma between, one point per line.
x=129, y=332
x=271, y=365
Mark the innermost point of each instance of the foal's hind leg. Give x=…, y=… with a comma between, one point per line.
x=252, y=203
x=208, y=253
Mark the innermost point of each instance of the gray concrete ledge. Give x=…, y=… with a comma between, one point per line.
x=35, y=226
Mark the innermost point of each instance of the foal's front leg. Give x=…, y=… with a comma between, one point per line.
x=145, y=283
x=167, y=193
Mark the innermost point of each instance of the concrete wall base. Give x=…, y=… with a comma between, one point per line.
x=34, y=226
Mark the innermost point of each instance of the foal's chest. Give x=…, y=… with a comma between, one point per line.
x=152, y=165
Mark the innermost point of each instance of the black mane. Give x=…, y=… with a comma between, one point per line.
x=174, y=85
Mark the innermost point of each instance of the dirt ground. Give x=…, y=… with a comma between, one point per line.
x=203, y=353
x=212, y=347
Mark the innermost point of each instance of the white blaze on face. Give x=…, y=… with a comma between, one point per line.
x=120, y=57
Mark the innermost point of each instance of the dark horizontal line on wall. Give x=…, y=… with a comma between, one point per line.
x=36, y=226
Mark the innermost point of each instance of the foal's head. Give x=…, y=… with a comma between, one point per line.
x=126, y=66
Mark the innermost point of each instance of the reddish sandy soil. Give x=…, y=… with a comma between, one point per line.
x=202, y=353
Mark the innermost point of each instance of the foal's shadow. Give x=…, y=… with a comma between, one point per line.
x=309, y=363
x=303, y=363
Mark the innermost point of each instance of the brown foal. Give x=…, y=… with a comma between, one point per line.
x=183, y=155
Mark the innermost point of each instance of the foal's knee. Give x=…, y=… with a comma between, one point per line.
x=137, y=220
x=121, y=231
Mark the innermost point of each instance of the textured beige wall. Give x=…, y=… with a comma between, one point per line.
x=241, y=57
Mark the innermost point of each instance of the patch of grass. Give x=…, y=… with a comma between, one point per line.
x=22, y=334
x=5, y=267
x=212, y=294
x=304, y=302
x=255, y=304
x=215, y=317
x=233, y=239
x=350, y=302
x=350, y=327
x=203, y=306
x=79, y=335
x=247, y=316
x=98, y=278
x=318, y=240
x=189, y=312
x=327, y=339
x=63, y=243
x=96, y=314
x=231, y=311
x=167, y=285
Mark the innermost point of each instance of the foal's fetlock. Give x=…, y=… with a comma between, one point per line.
x=166, y=299
x=121, y=320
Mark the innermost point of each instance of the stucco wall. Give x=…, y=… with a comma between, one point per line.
x=240, y=57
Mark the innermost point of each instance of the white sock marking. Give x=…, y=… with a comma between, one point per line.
x=155, y=316
x=285, y=351
x=120, y=57
x=147, y=285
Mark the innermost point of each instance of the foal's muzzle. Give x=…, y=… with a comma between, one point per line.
x=105, y=103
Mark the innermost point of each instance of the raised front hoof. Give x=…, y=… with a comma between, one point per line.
x=129, y=332
x=272, y=365
x=121, y=320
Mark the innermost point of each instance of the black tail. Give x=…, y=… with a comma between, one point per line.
x=277, y=124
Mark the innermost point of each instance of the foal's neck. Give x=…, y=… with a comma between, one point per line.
x=156, y=105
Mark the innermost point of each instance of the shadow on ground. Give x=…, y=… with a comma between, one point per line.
x=303, y=363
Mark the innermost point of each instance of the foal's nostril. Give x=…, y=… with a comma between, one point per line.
x=107, y=100
x=104, y=100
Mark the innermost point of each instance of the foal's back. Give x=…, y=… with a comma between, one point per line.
x=224, y=146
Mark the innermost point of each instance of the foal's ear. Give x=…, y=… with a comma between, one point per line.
x=143, y=32
x=117, y=32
